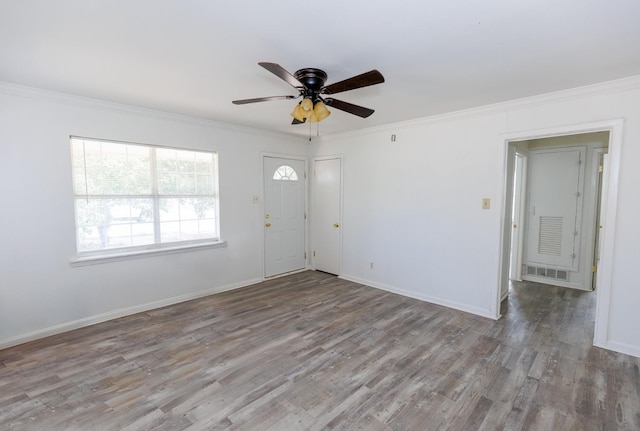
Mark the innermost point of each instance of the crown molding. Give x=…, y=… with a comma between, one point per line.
x=87, y=102
x=618, y=85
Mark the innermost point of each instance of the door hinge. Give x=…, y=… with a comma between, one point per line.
x=600, y=169
x=314, y=253
x=594, y=268
x=305, y=216
x=573, y=256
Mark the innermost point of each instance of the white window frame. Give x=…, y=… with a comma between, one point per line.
x=88, y=257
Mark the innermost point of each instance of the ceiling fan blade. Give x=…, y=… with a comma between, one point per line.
x=261, y=99
x=360, y=111
x=282, y=73
x=296, y=121
x=363, y=80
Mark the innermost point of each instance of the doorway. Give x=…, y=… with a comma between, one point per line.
x=557, y=210
x=608, y=210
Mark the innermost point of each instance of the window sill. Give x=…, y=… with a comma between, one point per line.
x=138, y=254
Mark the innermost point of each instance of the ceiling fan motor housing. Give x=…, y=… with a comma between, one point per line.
x=313, y=79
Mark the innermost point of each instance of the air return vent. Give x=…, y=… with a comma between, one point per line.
x=550, y=239
x=538, y=271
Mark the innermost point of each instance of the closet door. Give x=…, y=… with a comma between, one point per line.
x=555, y=188
x=327, y=200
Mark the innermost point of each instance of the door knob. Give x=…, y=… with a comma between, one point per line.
x=336, y=225
x=268, y=224
x=267, y=216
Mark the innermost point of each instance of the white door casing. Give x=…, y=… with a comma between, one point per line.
x=284, y=216
x=326, y=220
x=601, y=218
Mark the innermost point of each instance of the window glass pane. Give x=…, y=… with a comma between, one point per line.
x=111, y=168
x=184, y=172
x=105, y=223
x=285, y=173
x=185, y=219
x=204, y=184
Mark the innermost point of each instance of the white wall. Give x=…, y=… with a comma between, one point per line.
x=40, y=293
x=413, y=207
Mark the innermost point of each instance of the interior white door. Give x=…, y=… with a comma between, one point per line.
x=555, y=186
x=284, y=239
x=519, y=184
x=327, y=188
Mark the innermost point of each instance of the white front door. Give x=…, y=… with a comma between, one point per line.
x=327, y=198
x=284, y=239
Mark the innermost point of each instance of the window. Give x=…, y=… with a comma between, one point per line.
x=131, y=197
x=285, y=173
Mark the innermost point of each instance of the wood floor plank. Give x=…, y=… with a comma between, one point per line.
x=310, y=351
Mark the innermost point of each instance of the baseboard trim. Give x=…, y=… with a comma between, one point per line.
x=115, y=314
x=426, y=298
x=626, y=349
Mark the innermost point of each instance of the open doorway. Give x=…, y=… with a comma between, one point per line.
x=601, y=238
x=555, y=209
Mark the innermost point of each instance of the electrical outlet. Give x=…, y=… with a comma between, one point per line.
x=256, y=199
x=486, y=203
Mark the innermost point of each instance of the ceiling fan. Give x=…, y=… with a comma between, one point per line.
x=310, y=84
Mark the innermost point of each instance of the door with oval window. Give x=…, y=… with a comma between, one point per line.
x=284, y=218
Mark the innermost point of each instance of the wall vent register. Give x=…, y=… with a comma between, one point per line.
x=537, y=271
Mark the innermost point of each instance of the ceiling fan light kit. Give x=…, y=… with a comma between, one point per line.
x=310, y=85
x=308, y=110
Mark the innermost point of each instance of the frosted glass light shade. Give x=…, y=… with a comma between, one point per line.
x=307, y=105
x=299, y=113
x=320, y=110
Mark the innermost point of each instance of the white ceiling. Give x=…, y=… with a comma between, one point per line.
x=194, y=57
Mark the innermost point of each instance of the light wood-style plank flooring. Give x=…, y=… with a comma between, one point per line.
x=310, y=351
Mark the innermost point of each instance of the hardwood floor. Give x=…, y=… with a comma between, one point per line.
x=310, y=351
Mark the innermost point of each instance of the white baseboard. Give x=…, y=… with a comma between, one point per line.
x=626, y=349
x=426, y=298
x=115, y=314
